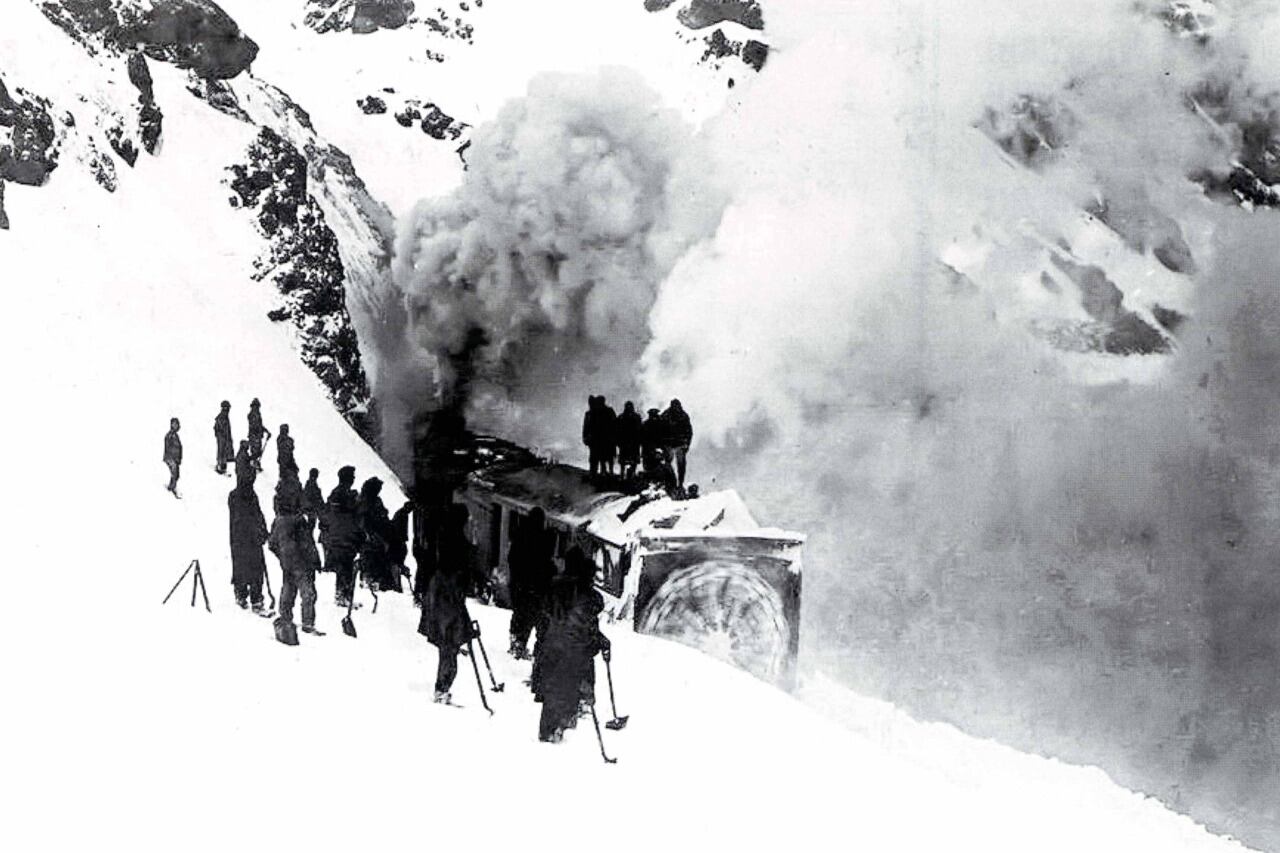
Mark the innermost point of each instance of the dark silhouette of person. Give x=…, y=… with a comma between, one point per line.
x=607, y=436
x=288, y=491
x=653, y=450
x=531, y=561
x=566, y=662
x=340, y=534
x=628, y=434
x=284, y=450
x=248, y=534
x=591, y=427
x=259, y=435
x=173, y=455
x=222, y=434
x=679, y=436
x=398, y=543
x=375, y=561
x=445, y=621
x=312, y=498
x=290, y=540
x=245, y=472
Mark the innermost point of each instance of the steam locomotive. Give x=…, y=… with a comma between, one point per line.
x=700, y=571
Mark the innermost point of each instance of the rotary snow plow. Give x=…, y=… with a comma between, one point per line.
x=700, y=571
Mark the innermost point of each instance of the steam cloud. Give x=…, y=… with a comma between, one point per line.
x=1071, y=552
x=530, y=287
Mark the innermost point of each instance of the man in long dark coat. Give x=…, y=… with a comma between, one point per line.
x=566, y=660
x=245, y=472
x=446, y=622
x=375, y=561
x=628, y=435
x=173, y=454
x=258, y=434
x=284, y=450
x=293, y=546
x=340, y=534
x=679, y=437
x=222, y=434
x=312, y=498
x=532, y=565
x=248, y=534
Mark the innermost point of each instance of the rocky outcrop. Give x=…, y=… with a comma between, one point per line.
x=718, y=46
x=191, y=34
x=362, y=17
x=303, y=262
x=29, y=151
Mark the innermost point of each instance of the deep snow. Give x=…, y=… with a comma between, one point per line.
x=134, y=725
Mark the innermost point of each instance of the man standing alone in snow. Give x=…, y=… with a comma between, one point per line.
x=173, y=455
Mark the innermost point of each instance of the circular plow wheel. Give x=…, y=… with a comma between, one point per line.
x=727, y=611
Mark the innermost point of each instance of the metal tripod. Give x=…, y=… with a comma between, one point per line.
x=197, y=583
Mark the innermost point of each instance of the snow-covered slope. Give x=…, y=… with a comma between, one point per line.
x=163, y=727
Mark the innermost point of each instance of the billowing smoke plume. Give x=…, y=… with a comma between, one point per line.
x=887, y=345
x=530, y=287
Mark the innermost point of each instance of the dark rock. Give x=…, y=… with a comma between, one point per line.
x=150, y=119
x=32, y=151
x=755, y=53
x=372, y=105
x=657, y=5
x=4, y=217
x=1031, y=130
x=372, y=15
x=219, y=95
x=705, y=13
x=1168, y=318
x=193, y=34
x=408, y=116
x=439, y=125
x=122, y=145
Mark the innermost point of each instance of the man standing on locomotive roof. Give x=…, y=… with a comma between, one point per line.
x=222, y=434
x=341, y=535
x=258, y=434
x=679, y=437
x=628, y=436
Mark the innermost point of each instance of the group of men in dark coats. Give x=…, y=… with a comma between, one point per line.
x=560, y=605
x=355, y=530
x=563, y=608
x=660, y=443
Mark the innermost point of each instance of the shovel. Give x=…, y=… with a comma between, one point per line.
x=617, y=723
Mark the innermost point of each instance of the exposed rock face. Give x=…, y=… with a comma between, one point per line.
x=30, y=152
x=192, y=34
x=362, y=17
x=303, y=262
x=698, y=15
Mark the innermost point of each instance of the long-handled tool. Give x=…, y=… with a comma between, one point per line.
x=497, y=688
x=600, y=737
x=349, y=627
x=617, y=723
x=266, y=576
x=479, y=684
